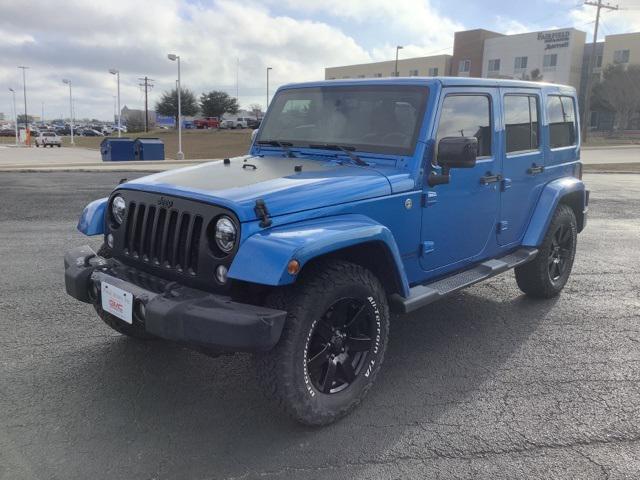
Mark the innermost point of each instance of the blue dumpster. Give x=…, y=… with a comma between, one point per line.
x=117, y=149
x=149, y=149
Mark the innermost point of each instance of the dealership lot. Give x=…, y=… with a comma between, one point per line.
x=485, y=384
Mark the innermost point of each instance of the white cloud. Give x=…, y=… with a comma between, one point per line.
x=81, y=40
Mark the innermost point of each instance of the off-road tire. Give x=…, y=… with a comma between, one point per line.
x=534, y=278
x=282, y=372
x=136, y=329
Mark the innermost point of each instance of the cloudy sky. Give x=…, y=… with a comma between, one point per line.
x=82, y=39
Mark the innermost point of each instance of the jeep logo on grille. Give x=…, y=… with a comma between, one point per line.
x=165, y=202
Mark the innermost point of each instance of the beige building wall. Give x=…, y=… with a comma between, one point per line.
x=620, y=43
x=410, y=67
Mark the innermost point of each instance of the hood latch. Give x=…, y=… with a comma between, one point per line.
x=262, y=213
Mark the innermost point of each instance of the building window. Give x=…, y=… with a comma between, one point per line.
x=521, y=122
x=467, y=116
x=346, y=77
x=464, y=66
x=377, y=75
x=562, y=121
x=494, y=65
x=360, y=76
x=520, y=63
x=599, y=61
x=550, y=61
x=413, y=73
x=433, y=71
x=621, y=56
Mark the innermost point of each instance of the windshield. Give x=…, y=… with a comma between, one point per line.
x=368, y=118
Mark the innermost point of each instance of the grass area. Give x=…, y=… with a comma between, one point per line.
x=196, y=144
x=611, y=140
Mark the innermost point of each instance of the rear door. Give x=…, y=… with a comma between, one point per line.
x=459, y=218
x=522, y=162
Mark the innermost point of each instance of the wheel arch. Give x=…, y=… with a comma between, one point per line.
x=570, y=191
x=263, y=257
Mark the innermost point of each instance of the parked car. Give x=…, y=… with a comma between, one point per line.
x=300, y=250
x=237, y=122
x=5, y=132
x=207, y=122
x=48, y=139
x=90, y=132
x=253, y=122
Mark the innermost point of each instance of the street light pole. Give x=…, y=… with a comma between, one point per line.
x=24, y=87
x=68, y=82
x=396, y=73
x=268, y=68
x=115, y=72
x=180, y=156
x=15, y=113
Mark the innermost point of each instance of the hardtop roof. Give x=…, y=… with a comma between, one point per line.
x=443, y=81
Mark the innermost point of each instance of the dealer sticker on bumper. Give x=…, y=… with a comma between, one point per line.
x=117, y=302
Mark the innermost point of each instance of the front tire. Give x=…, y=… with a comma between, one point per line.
x=332, y=345
x=547, y=274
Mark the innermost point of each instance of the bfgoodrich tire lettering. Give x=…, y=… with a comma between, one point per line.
x=323, y=366
x=548, y=273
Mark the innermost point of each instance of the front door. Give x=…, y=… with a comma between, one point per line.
x=522, y=164
x=459, y=218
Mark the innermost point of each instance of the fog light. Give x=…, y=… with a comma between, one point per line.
x=110, y=240
x=221, y=274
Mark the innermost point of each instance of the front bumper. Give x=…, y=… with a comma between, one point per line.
x=173, y=311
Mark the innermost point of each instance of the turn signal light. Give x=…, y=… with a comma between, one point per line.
x=293, y=267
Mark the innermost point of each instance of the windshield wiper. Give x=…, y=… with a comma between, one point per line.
x=346, y=149
x=276, y=143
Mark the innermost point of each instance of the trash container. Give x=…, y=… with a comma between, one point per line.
x=148, y=149
x=117, y=149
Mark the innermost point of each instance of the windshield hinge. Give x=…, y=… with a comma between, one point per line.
x=262, y=213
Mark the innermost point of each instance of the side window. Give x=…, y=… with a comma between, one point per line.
x=562, y=121
x=467, y=116
x=521, y=122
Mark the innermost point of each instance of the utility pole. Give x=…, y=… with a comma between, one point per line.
x=146, y=84
x=587, y=94
x=396, y=73
x=24, y=87
x=268, y=70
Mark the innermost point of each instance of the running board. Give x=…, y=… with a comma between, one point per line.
x=422, y=295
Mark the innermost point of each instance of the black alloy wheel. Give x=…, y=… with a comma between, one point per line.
x=560, y=252
x=340, y=344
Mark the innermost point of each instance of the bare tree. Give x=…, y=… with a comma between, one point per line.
x=619, y=92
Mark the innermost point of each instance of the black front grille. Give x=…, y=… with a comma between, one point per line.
x=163, y=237
x=170, y=237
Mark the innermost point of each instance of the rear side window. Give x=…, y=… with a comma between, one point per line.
x=521, y=122
x=562, y=121
x=467, y=116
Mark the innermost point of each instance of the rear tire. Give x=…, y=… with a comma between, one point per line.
x=332, y=345
x=547, y=274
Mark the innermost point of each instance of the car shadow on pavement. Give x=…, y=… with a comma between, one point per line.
x=135, y=408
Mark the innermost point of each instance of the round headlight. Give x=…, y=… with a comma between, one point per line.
x=118, y=209
x=225, y=234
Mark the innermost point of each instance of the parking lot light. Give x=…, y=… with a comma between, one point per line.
x=398, y=48
x=68, y=82
x=15, y=113
x=180, y=156
x=116, y=72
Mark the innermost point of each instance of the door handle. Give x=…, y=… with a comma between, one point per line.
x=535, y=169
x=490, y=178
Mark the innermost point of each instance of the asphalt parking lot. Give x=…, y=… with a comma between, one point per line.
x=485, y=384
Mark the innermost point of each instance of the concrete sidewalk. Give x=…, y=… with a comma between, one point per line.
x=24, y=159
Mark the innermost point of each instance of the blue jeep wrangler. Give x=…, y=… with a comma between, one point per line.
x=357, y=198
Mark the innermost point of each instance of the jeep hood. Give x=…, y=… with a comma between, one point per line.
x=287, y=185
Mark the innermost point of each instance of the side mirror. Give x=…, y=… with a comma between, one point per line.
x=457, y=152
x=454, y=152
x=254, y=134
